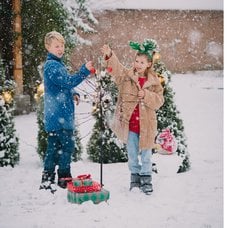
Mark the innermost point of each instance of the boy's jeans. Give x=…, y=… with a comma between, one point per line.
x=59, y=150
x=145, y=168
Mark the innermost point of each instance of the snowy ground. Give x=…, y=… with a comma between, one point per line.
x=188, y=200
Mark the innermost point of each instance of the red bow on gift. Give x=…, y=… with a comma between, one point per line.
x=82, y=188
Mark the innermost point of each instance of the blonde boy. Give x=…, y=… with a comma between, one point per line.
x=59, y=111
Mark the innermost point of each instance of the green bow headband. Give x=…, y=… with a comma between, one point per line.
x=148, y=47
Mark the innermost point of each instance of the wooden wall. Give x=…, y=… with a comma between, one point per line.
x=188, y=40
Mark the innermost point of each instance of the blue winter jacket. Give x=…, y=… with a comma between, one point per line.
x=58, y=94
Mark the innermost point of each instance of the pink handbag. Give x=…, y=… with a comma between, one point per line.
x=166, y=143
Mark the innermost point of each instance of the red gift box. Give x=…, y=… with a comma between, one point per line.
x=82, y=191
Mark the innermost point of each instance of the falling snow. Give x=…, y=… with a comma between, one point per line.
x=191, y=199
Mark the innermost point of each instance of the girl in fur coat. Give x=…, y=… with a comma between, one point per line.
x=135, y=123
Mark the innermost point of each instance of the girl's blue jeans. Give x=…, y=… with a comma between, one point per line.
x=59, y=150
x=143, y=167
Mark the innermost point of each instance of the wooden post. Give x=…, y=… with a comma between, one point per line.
x=17, y=47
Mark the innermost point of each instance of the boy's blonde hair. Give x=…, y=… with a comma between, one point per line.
x=51, y=36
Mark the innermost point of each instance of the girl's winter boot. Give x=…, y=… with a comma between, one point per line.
x=145, y=184
x=135, y=181
x=48, y=181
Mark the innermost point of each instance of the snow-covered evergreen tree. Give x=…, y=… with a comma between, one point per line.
x=79, y=18
x=42, y=134
x=76, y=156
x=9, y=142
x=168, y=116
x=68, y=17
x=103, y=144
x=72, y=18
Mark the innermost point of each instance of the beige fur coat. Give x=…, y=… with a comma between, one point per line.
x=128, y=86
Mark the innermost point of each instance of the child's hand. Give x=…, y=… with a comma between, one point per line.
x=77, y=99
x=106, y=50
x=89, y=65
x=141, y=94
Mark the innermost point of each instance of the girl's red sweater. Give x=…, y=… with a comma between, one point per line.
x=134, y=124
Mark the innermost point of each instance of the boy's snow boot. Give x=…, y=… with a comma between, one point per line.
x=63, y=178
x=135, y=181
x=145, y=184
x=48, y=181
